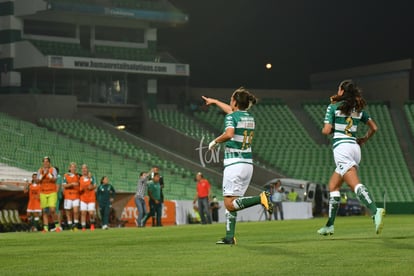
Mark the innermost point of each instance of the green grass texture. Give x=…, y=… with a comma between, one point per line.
x=264, y=248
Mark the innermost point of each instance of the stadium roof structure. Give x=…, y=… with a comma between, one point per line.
x=161, y=12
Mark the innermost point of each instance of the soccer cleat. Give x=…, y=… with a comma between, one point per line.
x=105, y=227
x=379, y=220
x=58, y=229
x=44, y=231
x=92, y=227
x=266, y=202
x=326, y=230
x=231, y=241
x=83, y=229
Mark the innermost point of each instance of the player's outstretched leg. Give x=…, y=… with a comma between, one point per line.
x=248, y=201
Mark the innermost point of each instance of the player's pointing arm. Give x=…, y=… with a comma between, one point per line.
x=223, y=106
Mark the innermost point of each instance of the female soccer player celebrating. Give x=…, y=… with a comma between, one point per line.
x=342, y=118
x=238, y=134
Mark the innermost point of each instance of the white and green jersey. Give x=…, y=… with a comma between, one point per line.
x=345, y=127
x=238, y=149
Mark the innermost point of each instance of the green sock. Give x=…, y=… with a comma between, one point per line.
x=334, y=201
x=230, y=224
x=45, y=227
x=364, y=196
x=245, y=202
x=57, y=224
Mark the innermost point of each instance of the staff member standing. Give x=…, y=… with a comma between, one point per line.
x=154, y=194
x=203, y=197
x=105, y=195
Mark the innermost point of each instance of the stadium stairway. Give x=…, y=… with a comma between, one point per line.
x=308, y=124
x=404, y=135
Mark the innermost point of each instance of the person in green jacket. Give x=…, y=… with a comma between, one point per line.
x=154, y=194
x=105, y=195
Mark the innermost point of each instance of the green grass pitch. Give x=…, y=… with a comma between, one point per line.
x=264, y=248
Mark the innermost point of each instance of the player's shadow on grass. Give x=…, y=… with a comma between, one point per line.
x=403, y=244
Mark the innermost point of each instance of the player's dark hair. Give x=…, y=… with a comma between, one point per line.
x=351, y=99
x=141, y=174
x=244, y=99
x=102, y=179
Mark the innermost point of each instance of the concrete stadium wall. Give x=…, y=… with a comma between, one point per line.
x=32, y=107
x=389, y=81
x=290, y=97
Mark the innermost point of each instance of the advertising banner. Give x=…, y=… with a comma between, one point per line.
x=115, y=65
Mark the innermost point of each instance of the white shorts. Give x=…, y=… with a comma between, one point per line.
x=34, y=211
x=346, y=156
x=236, y=179
x=87, y=206
x=68, y=204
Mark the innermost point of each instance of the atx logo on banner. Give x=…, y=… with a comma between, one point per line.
x=208, y=156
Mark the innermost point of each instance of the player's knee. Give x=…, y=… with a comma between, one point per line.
x=229, y=205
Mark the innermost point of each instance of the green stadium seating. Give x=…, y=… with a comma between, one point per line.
x=60, y=48
x=24, y=144
x=283, y=143
x=125, y=53
x=181, y=122
x=121, y=160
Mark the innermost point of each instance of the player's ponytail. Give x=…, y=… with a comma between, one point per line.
x=244, y=99
x=352, y=98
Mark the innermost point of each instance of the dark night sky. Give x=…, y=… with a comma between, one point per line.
x=228, y=42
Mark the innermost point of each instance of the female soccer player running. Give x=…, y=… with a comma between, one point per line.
x=342, y=118
x=238, y=134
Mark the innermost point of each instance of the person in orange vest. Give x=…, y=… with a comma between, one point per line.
x=87, y=186
x=33, y=207
x=46, y=177
x=72, y=196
